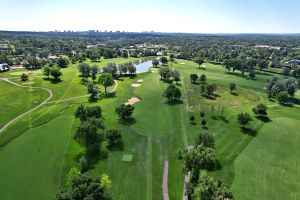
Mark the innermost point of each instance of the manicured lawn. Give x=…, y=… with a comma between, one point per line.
x=16, y=100
x=269, y=167
x=31, y=165
x=158, y=131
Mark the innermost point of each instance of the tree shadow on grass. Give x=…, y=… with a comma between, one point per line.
x=94, y=157
x=249, y=131
x=52, y=80
x=168, y=81
x=296, y=101
x=234, y=93
x=263, y=119
x=271, y=100
x=127, y=122
x=116, y=147
x=174, y=102
x=223, y=118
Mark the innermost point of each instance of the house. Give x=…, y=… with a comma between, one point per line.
x=280, y=65
x=53, y=58
x=293, y=62
x=4, y=67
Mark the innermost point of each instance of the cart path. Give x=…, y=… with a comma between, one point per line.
x=165, y=181
x=29, y=111
x=43, y=103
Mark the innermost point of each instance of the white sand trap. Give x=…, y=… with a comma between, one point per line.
x=132, y=100
x=140, y=81
x=135, y=85
x=182, y=63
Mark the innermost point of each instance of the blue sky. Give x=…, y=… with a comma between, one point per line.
x=197, y=16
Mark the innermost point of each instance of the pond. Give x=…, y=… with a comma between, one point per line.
x=143, y=66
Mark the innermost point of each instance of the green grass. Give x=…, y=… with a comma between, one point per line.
x=127, y=157
x=269, y=167
x=158, y=131
x=16, y=100
x=31, y=164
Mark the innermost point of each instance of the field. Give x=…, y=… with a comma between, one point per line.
x=38, y=157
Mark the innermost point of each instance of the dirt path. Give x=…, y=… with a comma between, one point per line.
x=165, y=181
x=29, y=111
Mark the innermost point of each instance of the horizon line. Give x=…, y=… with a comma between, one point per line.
x=119, y=31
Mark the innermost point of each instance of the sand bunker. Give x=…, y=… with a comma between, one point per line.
x=182, y=63
x=140, y=81
x=135, y=85
x=132, y=100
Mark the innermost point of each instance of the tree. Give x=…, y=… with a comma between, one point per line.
x=192, y=119
x=123, y=69
x=85, y=70
x=155, y=63
x=83, y=113
x=125, y=111
x=83, y=164
x=172, y=59
x=210, y=89
x=176, y=75
x=33, y=62
x=62, y=62
x=199, y=61
x=106, y=80
x=172, y=93
x=203, y=90
x=179, y=154
x=262, y=64
x=84, y=187
x=56, y=73
x=70, y=176
x=113, y=136
x=260, y=110
x=24, y=77
x=202, y=78
x=105, y=182
x=165, y=72
x=47, y=71
x=193, y=78
x=206, y=140
x=93, y=90
x=110, y=68
x=164, y=60
x=291, y=90
x=89, y=132
x=131, y=68
x=252, y=74
x=232, y=87
x=202, y=114
x=207, y=189
x=200, y=157
x=244, y=119
x=283, y=97
x=203, y=123
x=94, y=70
